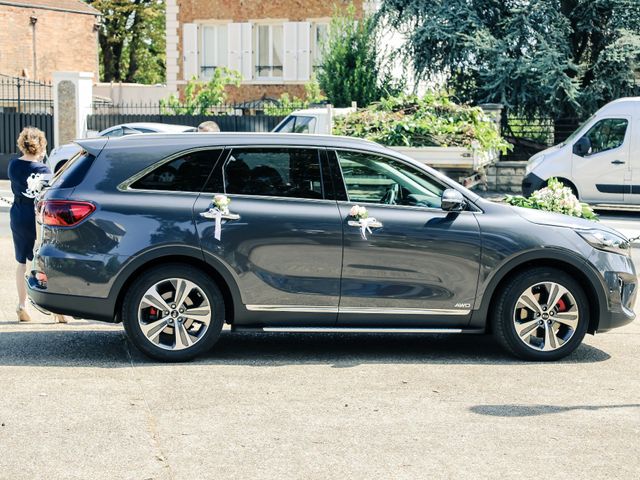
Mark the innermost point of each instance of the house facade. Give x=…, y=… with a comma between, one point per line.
x=39, y=37
x=274, y=45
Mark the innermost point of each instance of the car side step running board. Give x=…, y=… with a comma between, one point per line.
x=356, y=330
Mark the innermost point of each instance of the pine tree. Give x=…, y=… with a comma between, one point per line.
x=556, y=58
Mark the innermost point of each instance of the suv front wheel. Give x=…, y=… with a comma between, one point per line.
x=173, y=312
x=542, y=314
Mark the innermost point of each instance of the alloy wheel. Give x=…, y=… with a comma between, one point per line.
x=546, y=316
x=174, y=314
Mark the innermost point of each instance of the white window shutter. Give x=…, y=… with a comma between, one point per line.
x=189, y=50
x=247, y=50
x=289, y=62
x=303, y=57
x=235, y=46
x=222, y=48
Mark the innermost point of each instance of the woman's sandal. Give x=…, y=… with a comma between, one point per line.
x=57, y=318
x=23, y=315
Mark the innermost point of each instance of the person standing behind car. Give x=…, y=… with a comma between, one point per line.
x=33, y=144
x=208, y=126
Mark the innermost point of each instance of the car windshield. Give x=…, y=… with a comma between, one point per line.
x=571, y=137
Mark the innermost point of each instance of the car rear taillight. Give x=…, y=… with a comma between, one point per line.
x=63, y=213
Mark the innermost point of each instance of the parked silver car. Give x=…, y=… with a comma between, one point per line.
x=60, y=155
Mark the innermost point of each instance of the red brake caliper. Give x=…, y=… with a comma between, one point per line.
x=562, y=306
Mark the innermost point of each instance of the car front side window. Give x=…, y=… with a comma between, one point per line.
x=371, y=178
x=607, y=134
x=280, y=172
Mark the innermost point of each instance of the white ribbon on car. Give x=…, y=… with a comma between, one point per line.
x=365, y=226
x=218, y=229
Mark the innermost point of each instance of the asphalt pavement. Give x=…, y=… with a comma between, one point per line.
x=78, y=401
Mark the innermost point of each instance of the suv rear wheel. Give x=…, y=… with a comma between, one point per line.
x=541, y=315
x=173, y=312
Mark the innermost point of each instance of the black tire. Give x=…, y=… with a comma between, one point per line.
x=156, y=275
x=504, y=311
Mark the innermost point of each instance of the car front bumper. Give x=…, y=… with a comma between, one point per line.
x=531, y=183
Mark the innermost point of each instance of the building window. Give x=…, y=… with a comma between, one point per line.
x=213, y=53
x=319, y=36
x=269, y=50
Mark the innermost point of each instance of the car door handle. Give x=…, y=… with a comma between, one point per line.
x=617, y=162
x=213, y=213
x=373, y=224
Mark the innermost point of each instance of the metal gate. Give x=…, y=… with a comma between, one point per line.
x=23, y=103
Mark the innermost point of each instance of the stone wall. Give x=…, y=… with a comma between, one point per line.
x=64, y=41
x=506, y=177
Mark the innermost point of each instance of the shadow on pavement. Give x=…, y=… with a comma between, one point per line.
x=535, y=410
x=110, y=349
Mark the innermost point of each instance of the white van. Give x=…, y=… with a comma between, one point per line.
x=600, y=161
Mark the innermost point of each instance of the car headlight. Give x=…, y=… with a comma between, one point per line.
x=532, y=164
x=603, y=240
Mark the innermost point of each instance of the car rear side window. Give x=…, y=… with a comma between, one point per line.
x=186, y=173
x=73, y=172
x=280, y=172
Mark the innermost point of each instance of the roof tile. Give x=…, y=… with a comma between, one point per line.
x=65, y=5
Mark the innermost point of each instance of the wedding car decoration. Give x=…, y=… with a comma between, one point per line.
x=362, y=220
x=555, y=197
x=220, y=211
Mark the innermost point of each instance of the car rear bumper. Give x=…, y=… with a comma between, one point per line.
x=101, y=309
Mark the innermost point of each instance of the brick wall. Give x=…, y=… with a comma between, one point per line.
x=194, y=11
x=243, y=10
x=64, y=42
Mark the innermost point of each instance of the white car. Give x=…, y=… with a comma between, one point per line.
x=60, y=155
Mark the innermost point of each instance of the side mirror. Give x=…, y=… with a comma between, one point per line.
x=582, y=146
x=452, y=200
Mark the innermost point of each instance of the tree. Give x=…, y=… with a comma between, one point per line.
x=557, y=58
x=353, y=68
x=132, y=40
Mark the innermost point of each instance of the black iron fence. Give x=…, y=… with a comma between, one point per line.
x=23, y=103
x=227, y=123
x=532, y=135
x=20, y=95
x=257, y=116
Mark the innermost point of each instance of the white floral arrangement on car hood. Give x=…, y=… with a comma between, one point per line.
x=555, y=197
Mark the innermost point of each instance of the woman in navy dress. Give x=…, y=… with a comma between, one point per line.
x=33, y=144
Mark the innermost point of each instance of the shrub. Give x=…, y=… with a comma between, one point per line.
x=200, y=97
x=431, y=121
x=555, y=197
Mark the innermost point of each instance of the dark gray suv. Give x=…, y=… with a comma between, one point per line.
x=321, y=234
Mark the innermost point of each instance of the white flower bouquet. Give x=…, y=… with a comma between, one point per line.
x=222, y=202
x=555, y=197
